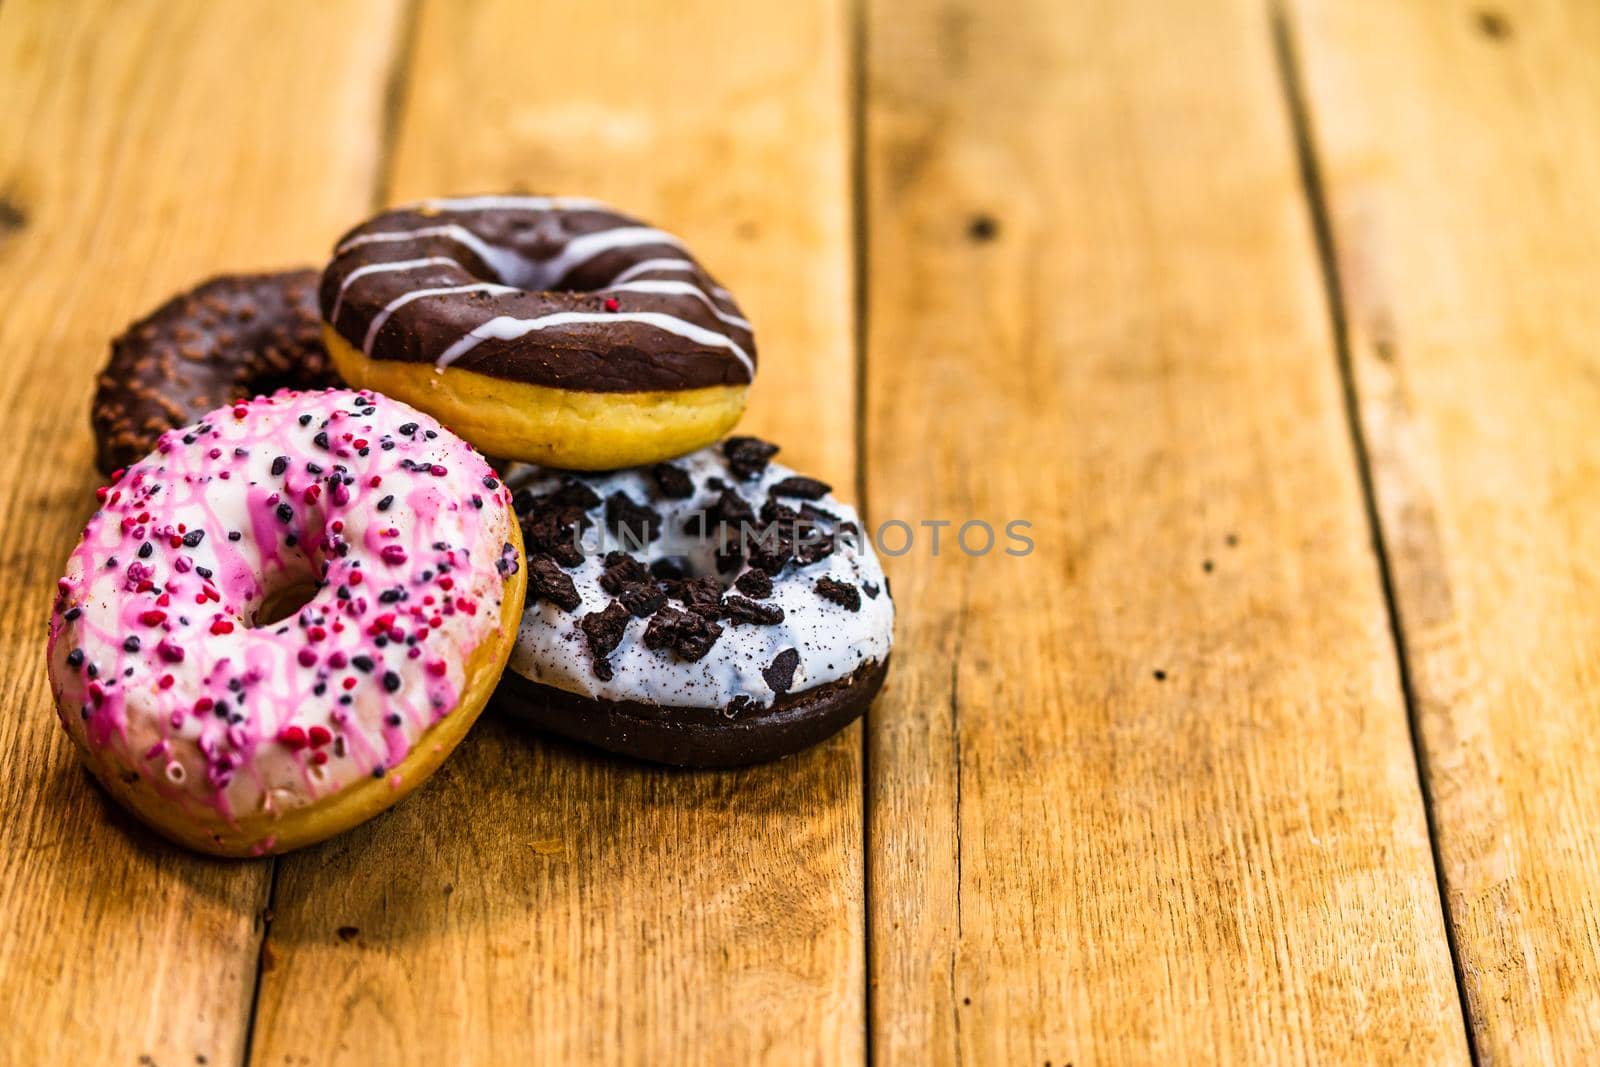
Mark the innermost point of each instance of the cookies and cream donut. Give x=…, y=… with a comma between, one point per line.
x=238, y=732
x=232, y=337
x=713, y=610
x=554, y=331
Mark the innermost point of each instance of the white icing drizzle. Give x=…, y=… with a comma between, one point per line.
x=417, y=294
x=832, y=641
x=502, y=261
x=386, y=268
x=679, y=289
x=667, y=266
x=509, y=328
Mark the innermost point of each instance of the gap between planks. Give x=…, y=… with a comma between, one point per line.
x=1304, y=135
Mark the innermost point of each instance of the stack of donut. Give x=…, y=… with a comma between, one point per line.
x=300, y=588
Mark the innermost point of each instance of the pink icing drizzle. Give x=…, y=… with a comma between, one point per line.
x=154, y=652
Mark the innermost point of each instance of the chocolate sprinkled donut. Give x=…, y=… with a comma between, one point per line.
x=230, y=338
x=606, y=342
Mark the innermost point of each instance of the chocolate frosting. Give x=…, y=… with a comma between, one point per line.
x=232, y=337
x=555, y=292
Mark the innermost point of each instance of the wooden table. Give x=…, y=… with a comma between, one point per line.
x=1280, y=326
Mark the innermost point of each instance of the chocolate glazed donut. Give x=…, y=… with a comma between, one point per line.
x=230, y=338
x=556, y=331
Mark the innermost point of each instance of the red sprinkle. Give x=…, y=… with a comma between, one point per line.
x=319, y=736
x=315, y=633
x=612, y=304
x=153, y=618
x=437, y=668
x=393, y=555
x=319, y=758
x=222, y=626
x=307, y=658
x=292, y=738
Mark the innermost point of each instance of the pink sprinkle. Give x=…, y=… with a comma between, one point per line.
x=170, y=652
x=437, y=471
x=392, y=555
x=307, y=658
x=337, y=660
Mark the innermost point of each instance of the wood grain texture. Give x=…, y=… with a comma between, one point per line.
x=537, y=902
x=1460, y=148
x=1147, y=793
x=144, y=146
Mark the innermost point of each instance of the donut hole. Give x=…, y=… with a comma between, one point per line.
x=284, y=602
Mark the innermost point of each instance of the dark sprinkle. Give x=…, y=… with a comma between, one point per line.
x=234, y=535
x=280, y=465
x=385, y=503
x=491, y=483
x=131, y=644
x=363, y=664
x=870, y=589
x=408, y=428
x=75, y=658
x=305, y=420
x=145, y=550
x=321, y=440
x=72, y=613
x=193, y=538
x=391, y=681
x=285, y=513
x=204, y=572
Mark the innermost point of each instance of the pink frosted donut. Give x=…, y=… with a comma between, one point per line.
x=234, y=722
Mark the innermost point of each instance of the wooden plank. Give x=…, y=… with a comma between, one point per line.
x=537, y=902
x=1460, y=147
x=144, y=145
x=1146, y=793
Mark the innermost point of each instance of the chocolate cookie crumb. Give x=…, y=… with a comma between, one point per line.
x=757, y=584
x=742, y=609
x=780, y=674
x=842, y=593
x=804, y=488
x=673, y=482
x=747, y=456
x=546, y=580
x=603, y=630
x=624, y=518
x=689, y=634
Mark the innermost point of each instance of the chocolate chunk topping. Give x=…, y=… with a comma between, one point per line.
x=622, y=571
x=603, y=630
x=688, y=634
x=547, y=581
x=552, y=523
x=780, y=675
x=703, y=596
x=669, y=569
x=747, y=456
x=673, y=482
x=805, y=488
x=842, y=593
x=755, y=583
x=636, y=523
x=870, y=589
x=741, y=609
